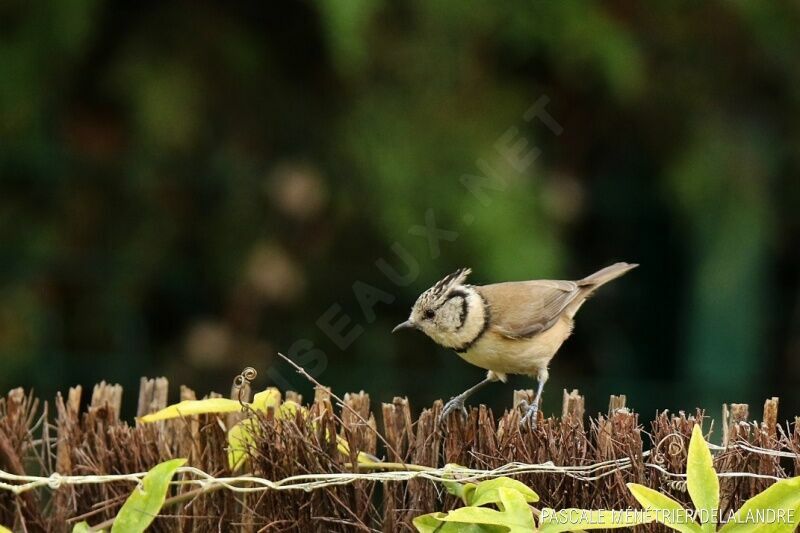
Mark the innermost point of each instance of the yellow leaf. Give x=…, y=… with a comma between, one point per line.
x=289, y=409
x=271, y=397
x=266, y=399
x=240, y=437
x=362, y=457
x=342, y=446
x=194, y=407
x=367, y=458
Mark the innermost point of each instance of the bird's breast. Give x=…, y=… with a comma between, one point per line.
x=499, y=353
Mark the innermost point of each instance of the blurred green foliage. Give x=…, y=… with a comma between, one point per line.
x=185, y=190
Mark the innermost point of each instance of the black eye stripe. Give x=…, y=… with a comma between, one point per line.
x=462, y=319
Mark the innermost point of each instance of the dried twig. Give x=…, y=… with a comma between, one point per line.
x=341, y=403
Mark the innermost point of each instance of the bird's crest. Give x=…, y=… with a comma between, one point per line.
x=455, y=279
x=436, y=294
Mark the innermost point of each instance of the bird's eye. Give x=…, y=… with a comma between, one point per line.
x=429, y=314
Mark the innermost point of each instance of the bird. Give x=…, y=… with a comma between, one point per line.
x=514, y=327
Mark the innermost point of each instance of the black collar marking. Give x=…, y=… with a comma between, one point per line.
x=486, y=320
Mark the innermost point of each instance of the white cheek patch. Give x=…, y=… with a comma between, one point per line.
x=451, y=315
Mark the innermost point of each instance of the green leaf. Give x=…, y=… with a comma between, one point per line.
x=478, y=515
x=553, y=521
x=667, y=511
x=452, y=486
x=702, y=481
x=515, y=505
x=780, y=497
x=193, y=407
x=510, y=496
x=488, y=491
x=427, y=523
x=456, y=488
x=469, y=490
x=515, y=514
x=457, y=527
x=80, y=527
x=145, y=502
x=432, y=523
x=6, y=530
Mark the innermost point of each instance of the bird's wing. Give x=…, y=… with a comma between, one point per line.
x=524, y=308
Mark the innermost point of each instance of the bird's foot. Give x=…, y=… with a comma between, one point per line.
x=530, y=418
x=456, y=403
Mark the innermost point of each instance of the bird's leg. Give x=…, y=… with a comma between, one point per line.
x=533, y=408
x=456, y=403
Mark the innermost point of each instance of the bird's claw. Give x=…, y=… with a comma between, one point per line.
x=530, y=418
x=456, y=403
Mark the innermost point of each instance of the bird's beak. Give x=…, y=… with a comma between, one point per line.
x=408, y=324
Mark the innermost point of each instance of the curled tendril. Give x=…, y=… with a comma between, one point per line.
x=247, y=375
x=679, y=485
x=241, y=381
x=676, y=447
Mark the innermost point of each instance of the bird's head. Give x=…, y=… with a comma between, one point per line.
x=448, y=312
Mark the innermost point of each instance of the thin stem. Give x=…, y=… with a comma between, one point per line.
x=369, y=465
x=364, y=465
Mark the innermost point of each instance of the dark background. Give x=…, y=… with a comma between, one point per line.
x=187, y=187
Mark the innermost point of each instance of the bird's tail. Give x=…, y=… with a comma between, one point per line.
x=609, y=273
